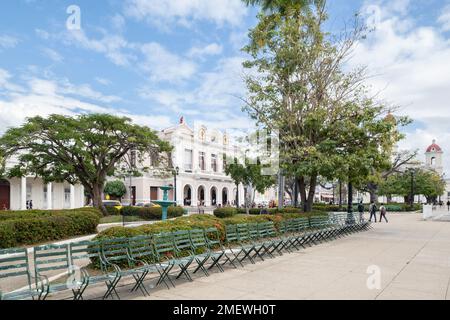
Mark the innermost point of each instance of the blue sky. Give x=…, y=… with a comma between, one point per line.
x=156, y=60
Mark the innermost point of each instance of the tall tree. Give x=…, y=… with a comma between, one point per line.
x=116, y=189
x=328, y=124
x=82, y=149
x=251, y=177
x=422, y=182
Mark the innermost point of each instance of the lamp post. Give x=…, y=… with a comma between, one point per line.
x=176, y=171
x=411, y=199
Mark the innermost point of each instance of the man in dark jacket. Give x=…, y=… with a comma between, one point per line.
x=373, y=211
x=361, y=211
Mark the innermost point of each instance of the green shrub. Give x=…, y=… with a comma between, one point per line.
x=112, y=211
x=225, y=212
x=153, y=213
x=13, y=215
x=27, y=228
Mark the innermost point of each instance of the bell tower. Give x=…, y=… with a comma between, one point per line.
x=433, y=157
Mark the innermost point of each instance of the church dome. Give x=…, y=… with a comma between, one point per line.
x=434, y=147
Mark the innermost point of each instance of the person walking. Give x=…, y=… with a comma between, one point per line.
x=448, y=205
x=361, y=211
x=383, y=213
x=373, y=211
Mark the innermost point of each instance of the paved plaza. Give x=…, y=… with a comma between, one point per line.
x=413, y=257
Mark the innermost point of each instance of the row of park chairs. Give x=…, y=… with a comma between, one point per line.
x=167, y=255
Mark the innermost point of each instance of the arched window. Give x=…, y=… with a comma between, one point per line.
x=433, y=161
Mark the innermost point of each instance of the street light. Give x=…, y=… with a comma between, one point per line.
x=175, y=172
x=412, y=172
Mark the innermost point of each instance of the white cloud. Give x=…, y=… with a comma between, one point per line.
x=444, y=18
x=165, y=13
x=163, y=65
x=211, y=49
x=410, y=67
x=44, y=97
x=151, y=58
x=103, y=81
x=8, y=42
x=52, y=54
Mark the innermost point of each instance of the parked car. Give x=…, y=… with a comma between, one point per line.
x=112, y=203
x=147, y=204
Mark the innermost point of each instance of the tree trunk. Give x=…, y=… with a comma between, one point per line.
x=302, y=187
x=247, y=210
x=350, y=198
x=295, y=193
x=237, y=195
x=97, y=198
x=311, y=193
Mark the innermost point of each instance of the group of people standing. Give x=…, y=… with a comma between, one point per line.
x=373, y=209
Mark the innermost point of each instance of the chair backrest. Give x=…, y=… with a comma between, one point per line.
x=141, y=247
x=115, y=250
x=212, y=236
x=51, y=257
x=164, y=246
x=319, y=221
x=84, y=250
x=231, y=234
x=198, y=238
x=243, y=232
x=253, y=231
x=262, y=229
x=14, y=263
x=182, y=241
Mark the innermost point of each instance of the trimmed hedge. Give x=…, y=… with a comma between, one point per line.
x=20, y=228
x=225, y=212
x=112, y=211
x=197, y=221
x=153, y=213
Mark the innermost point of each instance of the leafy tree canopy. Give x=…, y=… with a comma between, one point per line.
x=81, y=149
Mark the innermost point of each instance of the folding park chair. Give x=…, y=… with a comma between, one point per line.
x=266, y=230
x=203, y=252
x=287, y=234
x=232, y=239
x=114, y=254
x=80, y=254
x=48, y=260
x=14, y=264
x=247, y=244
x=301, y=237
x=141, y=251
x=184, y=254
x=167, y=253
x=261, y=247
x=212, y=236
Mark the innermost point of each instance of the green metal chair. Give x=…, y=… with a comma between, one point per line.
x=115, y=257
x=212, y=236
x=51, y=259
x=85, y=252
x=166, y=251
x=273, y=243
x=14, y=264
x=141, y=250
x=203, y=251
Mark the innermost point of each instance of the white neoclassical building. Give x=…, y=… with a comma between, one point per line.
x=200, y=156
x=16, y=192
